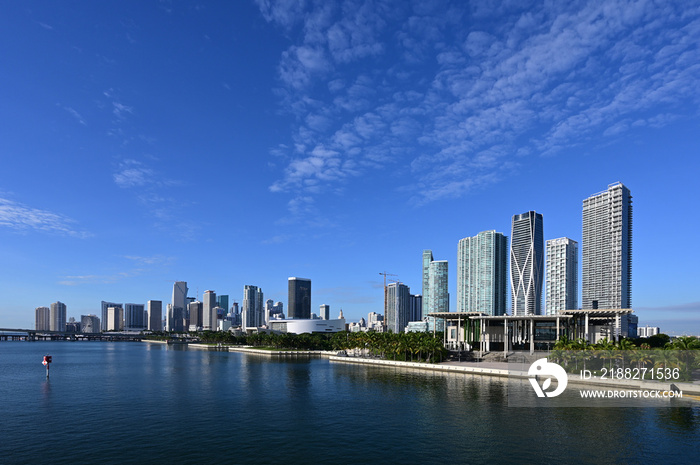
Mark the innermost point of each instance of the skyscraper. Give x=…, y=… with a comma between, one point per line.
x=42, y=319
x=278, y=310
x=105, y=306
x=439, y=300
x=175, y=320
x=416, y=304
x=179, y=294
x=427, y=259
x=115, y=319
x=196, y=315
x=269, y=303
x=89, y=324
x=482, y=269
x=252, y=314
x=325, y=312
x=155, y=315
x=209, y=317
x=607, y=249
x=222, y=301
x=299, y=298
x=57, y=317
x=526, y=264
x=133, y=317
x=561, y=276
x=398, y=307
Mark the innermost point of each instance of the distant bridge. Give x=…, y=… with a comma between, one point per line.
x=10, y=334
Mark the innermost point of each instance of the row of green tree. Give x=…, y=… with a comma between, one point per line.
x=679, y=343
x=681, y=356
x=415, y=347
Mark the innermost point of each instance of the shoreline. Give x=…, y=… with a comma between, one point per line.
x=500, y=369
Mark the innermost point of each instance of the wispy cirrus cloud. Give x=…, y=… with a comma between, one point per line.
x=75, y=115
x=461, y=92
x=20, y=217
x=135, y=266
x=153, y=190
x=132, y=173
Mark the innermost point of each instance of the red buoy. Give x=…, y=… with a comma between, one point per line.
x=46, y=362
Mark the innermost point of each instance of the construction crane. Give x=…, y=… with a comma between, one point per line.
x=385, y=274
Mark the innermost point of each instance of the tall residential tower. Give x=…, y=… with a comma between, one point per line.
x=57, y=316
x=439, y=300
x=398, y=307
x=427, y=259
x=526, y=264
x=482, y=269
x=561, y=276
x=607, y=249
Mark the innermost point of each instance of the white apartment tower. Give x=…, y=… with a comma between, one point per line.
x=398, y=307
x=57, y=316
x=325, y=312
x=607, y=249
x=561, y=275
x=209, y=318
x=42, y=319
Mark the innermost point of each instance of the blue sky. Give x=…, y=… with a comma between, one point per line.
x=234, y=143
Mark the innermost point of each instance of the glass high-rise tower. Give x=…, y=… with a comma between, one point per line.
x=607, y=249
x=482, y=270
x=439, y=300
x=526, y=264
x=299, y=303
x=427, y=259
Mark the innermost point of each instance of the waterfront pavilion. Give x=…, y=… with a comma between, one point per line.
x=486, y=333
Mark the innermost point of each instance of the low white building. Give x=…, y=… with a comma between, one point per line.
x=299, y=326
x=648, y=331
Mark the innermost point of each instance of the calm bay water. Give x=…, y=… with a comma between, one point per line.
x=117, y=403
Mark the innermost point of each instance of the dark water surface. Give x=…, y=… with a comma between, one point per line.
x=115, y=403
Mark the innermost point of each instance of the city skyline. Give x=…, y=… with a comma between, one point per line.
x=334, y=142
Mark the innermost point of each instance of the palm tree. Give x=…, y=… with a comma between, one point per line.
x=686, y=352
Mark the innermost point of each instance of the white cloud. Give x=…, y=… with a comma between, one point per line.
x=136, y=266
x=75, y=115
x=132, y=173
x=119, y=109
x=17, y=216
x=461, y=92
